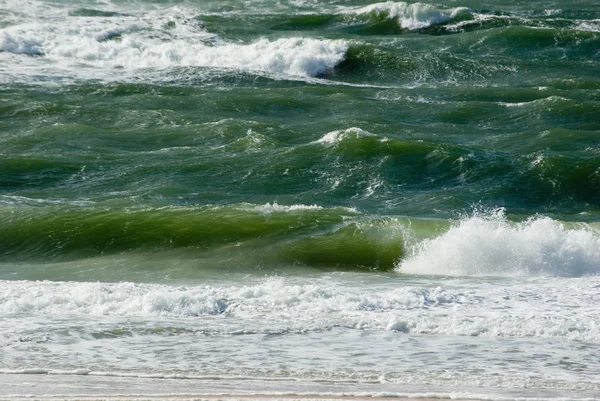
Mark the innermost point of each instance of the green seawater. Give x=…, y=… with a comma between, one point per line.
x=263, y=199
x=264, y=136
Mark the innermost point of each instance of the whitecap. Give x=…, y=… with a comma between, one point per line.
x=413, y=16
x=337, y=136
x=94, y=47
x=487, y=244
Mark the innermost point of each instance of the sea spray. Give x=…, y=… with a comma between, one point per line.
x=487, y=244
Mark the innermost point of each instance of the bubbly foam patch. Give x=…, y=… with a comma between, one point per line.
x=490, y=245
x=274, y=296
x=413, y=16
x=556, y=308
x=287, y=56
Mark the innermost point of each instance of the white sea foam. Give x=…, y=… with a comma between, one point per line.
x=357, y=327
x=589, y=26
x=14, y=43
x=95, y=47
x=287, y=56
x=490, y=245
x=413, y=16
x=145, y=300
x=553, y=309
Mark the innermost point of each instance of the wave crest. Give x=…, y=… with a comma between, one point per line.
x=490, y=245
x=414, y=16
x=164, y=41
x=335, y=137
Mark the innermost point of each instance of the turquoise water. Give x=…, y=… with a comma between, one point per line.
x=388, y=172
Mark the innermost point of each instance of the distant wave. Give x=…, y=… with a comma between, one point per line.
x=95, y=44
x=284, y=56
x=88, y=40
x=413, y=16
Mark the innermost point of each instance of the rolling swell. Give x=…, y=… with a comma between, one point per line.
x=83, y=243
x=366, y=62
x=513, y=48
x=530, y=180
x=267, y=235
x=398, y=18
x=350, y=164
x=377, y=19
x=178, y=40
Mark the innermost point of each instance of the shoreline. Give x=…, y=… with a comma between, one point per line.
x=234, y=397
x=43, y=387
x=59, y=387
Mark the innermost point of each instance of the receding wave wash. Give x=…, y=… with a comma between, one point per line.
x=300, y=199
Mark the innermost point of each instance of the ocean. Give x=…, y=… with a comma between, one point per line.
x=300, y=198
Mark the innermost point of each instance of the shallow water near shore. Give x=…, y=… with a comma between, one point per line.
x=300, y=197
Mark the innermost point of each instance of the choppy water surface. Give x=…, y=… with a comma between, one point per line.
x=367, y=198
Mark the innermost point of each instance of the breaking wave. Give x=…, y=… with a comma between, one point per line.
x=490, y=245
x=88, y=42
x=413, y=16
x=285, y=56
